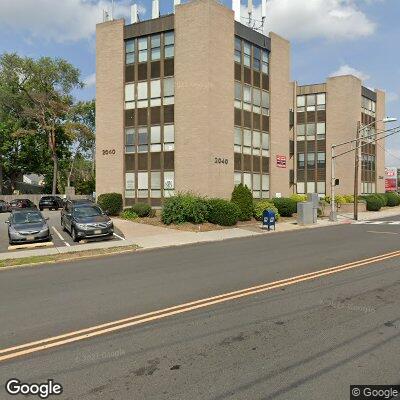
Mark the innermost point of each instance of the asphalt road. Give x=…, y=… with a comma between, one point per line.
x=308, y=340
x=60, y=238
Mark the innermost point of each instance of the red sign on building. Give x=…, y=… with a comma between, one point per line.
x=281, y=161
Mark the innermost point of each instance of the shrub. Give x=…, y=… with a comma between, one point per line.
x=223, y=212
x=286, y=206
x=184, y=207
x=242, y=196
x=111, y=203
x=129, y=214
x=392, y=199
x=382, y=197
x=261, y=206
x=141, y=209
x=298, y=197
x=349, y=198
x=374, y=203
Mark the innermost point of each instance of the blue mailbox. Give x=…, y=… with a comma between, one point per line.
x=268, y=219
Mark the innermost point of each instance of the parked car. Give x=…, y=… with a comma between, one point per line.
x=17, y=204
x=27, y=226
x=84, y=220
x=4, y=206
x=51, y=202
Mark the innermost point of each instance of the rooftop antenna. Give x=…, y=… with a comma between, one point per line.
x=155, y=9
x=112, y=10
x=250, y=11
x=263, y=12
x=134, y=14
x=236, y=9
x=176, y=3
x=106, y=16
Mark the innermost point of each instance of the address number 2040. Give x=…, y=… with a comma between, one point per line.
x=219, y=160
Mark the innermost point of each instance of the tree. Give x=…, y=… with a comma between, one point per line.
x=38, y=92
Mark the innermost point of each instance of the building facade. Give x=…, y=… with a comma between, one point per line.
x=196, y=101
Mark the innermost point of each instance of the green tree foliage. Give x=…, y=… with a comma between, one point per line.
x=242, y=196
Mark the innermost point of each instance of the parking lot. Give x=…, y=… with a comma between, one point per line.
x=60, y=238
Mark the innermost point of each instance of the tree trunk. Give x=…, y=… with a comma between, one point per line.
x=1, y=175
x=55, y=174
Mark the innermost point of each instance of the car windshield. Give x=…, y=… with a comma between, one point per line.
x=87, y=211
x=30, y=217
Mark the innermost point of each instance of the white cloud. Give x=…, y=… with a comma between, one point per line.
x=307, y=19
x=347, y=70
x=58, y=20
x=90, y=80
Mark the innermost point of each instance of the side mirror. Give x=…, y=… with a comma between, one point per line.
x=7, y=222
x=47, y=218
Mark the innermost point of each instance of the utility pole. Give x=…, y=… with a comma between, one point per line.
x=356, y=169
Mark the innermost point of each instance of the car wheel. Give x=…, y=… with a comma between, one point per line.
x=74, y=235
x=41, y=208
x=56, y=208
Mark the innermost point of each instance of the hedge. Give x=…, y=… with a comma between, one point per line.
x=129, y=214
x=223, y=212
x=184, y=207
x=242, y=196
x=298, y=197
x=141, y=209
x=374, y=203
x=392, y=199
x=286, y=206
x=111, y=203
x=261, y=206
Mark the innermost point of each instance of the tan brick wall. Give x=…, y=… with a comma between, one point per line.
x=281, y=99
x=343, y=111
x=380, y=147
x=204, y=92
x=110, y=107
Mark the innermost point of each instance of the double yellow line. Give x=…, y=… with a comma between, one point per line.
x=55, y=341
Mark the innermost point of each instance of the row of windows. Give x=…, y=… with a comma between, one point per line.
x=368, y=106
x=247, y=142
x=308, y=131
x=144, y=139
x=311, y=187
x=368, y=162
x=251, y=99
x=251, y=55
x=319, y=158
x=149, y=47
x=149, y=183
x=149, y=93
x=368, y=187
x=257, y=183
x=311, y=102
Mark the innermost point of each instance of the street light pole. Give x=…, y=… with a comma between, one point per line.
x=356, y=169
x=332, y=215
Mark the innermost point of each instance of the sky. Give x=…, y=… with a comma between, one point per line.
x=328, y=37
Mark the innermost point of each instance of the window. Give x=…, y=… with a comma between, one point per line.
x=143, y=184
x=247, y=180
x=246, y=141
x=169, y=90
x=129, y=96
x=300, y=187
x=142, y=46
x=130, y=51
x=238, y=50
x=169, y=183
x=265, y=186
x=256, y=58
x=265, y=102
x=311, y=102
x=155, y=93
x=130, y=145
x=238, y=95
x=310, y=187
x=247, y=97
x=237, y=178
x=130, y=185
x=257, y=100
x=310, y=160
x=321, y=187
x=143, y=140
x=169, y=42
x=256, y=142
x=311, y=131
x=264, y=59
x=142, y=94
x=169, y=133
x=238, y=140
x=321, y=130
x=321, y=160
x=155, y=138
x=155, y=177
x=247, y=53
x=301, y=103
x=301, y=131
x=321, y=101
x=300, y=160
x=265, y=144
x=155, y=47
x=256, y=186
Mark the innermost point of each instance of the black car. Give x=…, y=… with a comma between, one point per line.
x=27, y=226
x=84, y=220
x=17, y=204
x=4, y=206
x=51, y=202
